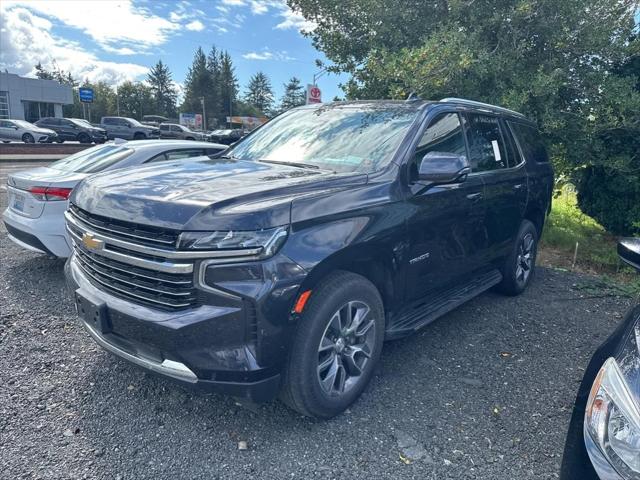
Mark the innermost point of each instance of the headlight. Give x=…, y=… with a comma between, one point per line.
x=613, y=416
x=259, y=243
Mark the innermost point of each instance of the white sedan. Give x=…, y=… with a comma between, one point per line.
x=20, y=130
x=38, y=198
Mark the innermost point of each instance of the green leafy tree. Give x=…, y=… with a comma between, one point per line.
x=164, y=93
x=560, y=63
x=294, y=95
x=135, y=99
x=259, y=93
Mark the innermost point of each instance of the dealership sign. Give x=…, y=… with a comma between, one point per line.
x=314, y=95
x=191, y=120
x=86, y=94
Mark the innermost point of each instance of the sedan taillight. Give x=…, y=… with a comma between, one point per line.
x=50, y=193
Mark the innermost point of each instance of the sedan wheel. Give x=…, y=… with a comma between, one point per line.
x=28, y=138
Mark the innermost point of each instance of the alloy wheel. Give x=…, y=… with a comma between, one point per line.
x=525, y=258
x=345, y=349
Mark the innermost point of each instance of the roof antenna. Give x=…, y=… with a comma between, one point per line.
x=412, y=96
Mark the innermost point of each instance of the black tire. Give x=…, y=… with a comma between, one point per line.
x=28, y=138
x=84, y=138
x=139, y=136
x=302, y=390
x=6, y=141
x=189, y=138
x=59, y=140
x=518, y=269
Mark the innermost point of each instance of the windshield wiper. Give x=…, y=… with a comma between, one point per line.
x=292, y=164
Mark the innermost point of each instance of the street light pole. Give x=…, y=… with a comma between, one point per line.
x=317, y=75
x=204, y=116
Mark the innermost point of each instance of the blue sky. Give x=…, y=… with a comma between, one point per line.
x=117, y=40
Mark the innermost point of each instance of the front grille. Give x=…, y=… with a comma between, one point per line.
x=132, y=261
x=127, y=231
x=142, y=285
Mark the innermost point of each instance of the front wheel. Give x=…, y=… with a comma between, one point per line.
x=521, y=262
x=139, y=136
x=336, y=347
x=28, y=138
x=84, y=138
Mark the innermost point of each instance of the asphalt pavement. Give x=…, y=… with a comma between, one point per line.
x=483, y=393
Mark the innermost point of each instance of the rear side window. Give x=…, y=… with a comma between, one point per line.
x=513, y=155
x=530, y=142
x=177, y=155
x=486, y=145
x=164, y=128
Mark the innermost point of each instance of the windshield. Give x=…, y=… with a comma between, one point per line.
x=93, y=159
x=341, y=138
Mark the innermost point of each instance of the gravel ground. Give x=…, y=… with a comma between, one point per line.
x=485, y=392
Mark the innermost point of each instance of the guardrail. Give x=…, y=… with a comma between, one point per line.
x=39, y=151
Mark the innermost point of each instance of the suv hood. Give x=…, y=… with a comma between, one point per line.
x=220, y=194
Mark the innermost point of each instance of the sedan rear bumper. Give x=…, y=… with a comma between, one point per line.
x=45, y=234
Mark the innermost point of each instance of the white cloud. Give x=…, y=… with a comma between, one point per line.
x=266, y=54
x=294, y=20
x=119, y=51
x=195, y=26
x=258, y=56
x=26, y=39
x=108, y=23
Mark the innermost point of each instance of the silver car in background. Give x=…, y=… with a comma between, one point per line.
x=176, y=131
x=38, y=197
x=23, y=131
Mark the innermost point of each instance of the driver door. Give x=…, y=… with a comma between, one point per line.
x=447, y=220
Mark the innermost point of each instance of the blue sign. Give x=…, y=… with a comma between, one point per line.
x=86, y=95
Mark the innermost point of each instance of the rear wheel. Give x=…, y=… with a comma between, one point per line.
x=336, y=347
x=59, y=140
x=520, y=264
x=189, y=138
x=139, y=136
x=84, y=138
x=28, y=138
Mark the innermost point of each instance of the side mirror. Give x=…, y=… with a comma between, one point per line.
x=15, y=127
x=442, y=167
x=629, y=251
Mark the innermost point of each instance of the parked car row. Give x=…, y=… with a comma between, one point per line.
x=73, y=129
x=23, y=131
x=280, y=266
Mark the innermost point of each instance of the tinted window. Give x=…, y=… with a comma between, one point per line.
x=108, y=121
x=341, y=138
x=444, y=134
x=530, y=142
x=178, y=154
x=93, y=159
x=513, y=155
x=486, y=147
x=164, y=128
x=5, y=124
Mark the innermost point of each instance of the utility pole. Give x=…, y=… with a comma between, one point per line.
x=319, y=74
x=204, y=116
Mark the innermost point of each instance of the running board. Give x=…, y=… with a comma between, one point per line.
x=421, y=314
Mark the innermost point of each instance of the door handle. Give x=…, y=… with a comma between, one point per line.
x=474, y=197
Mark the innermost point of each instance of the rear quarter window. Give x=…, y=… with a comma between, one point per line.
x=530, y=142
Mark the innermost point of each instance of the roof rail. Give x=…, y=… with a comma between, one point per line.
x=473, y=103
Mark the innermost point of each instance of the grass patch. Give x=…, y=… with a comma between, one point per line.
x=567, y=225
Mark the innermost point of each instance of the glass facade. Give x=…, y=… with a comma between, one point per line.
x=4, y=104
x=34, y=111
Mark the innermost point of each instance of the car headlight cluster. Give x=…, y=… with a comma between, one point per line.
x=259, y=243
x=613, y=410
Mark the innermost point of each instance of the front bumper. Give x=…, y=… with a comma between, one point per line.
x=205, y=347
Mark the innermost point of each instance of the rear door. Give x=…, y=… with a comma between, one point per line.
x=495, y=158
x=447, y=219
x=8, y=130
x=165, y=131
x=66, y=129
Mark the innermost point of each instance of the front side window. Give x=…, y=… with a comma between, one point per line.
x=165, y=128
x=486, y=147
x=444, y=134
x=342, y=138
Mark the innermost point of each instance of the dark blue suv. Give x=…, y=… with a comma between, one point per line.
x=282, y=266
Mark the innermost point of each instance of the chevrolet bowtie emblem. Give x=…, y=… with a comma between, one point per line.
x=91, y=242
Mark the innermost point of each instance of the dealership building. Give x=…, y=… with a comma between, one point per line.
x=30, y=99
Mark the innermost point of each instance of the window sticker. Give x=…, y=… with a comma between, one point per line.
x=496, y=150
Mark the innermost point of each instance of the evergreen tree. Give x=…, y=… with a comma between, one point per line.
x=197, y=84
x=228, y=86
x=213, y=100
x=43, y=73
x=294, y=95
x=135, y=99
x=162, y=89
x=259, y=93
